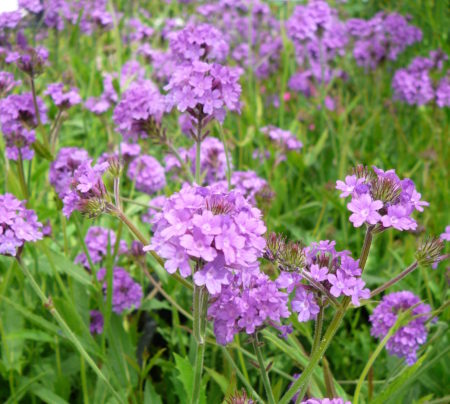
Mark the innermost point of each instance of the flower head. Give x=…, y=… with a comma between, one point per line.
x=408, y=338
x=147, y=173
x=18, y=225
x=126, y=293
x=62, y=99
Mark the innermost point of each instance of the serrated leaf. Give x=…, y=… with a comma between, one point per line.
x=150, y=395
x=186, y=373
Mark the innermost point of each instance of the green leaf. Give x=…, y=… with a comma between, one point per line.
x=186, y=373
x=47, y=395
x=221, y=380
x=32, y=335
x=311, y=157
x=150, y=395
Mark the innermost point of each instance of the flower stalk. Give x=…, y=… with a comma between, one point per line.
x=262, y=369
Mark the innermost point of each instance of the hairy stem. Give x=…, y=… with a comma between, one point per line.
x=262, y=369
x=21, y=172
x=199, y=329
x=393, y=281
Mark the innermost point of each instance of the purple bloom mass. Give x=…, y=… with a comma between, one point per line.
x=97, y=240
x=147, y=173
x=18, y=121
x=408, y=338
x=415, y=84
x=96, y=324
x=204, y=89
x=126, y=293
x=63, y=168
x=245, y=304
x=200, y=224
x=87, y=191
x=381, y=198
x=17, y=225
x=139, y=110
x=383, y=37
x=198, y=42
x=7, y=83
x=63, y=100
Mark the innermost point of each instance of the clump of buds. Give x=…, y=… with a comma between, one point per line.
x=429, y=253
x=286, y=253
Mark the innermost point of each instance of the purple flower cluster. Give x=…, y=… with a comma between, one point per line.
x=336, y=400
x=30, y=60
x=63, y=168
x=221, y=232
x=251, y=31
x=319, y=37
x=383, y=37
x=63, y=99
x=147, y=173
x=415, y=85
x=126, y=293
x=155, y=205
x=198, y=42
x=381, y=198
x=283, y=139
x=246, y=303
x=126, y=153
x=139, y=31
x=10, y=19
x=18, y=120
x=204, y=90
x=87, y=191
x=17, y=225
x=139, y=110
x=7, y=83
x=408, y=338
x=96, y=322
x=446, y=235
x=97, y=240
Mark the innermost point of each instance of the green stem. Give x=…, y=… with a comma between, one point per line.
x=197, y=161
x=69, y=333
x=227, y=157
x=315, y=345
x=262, y=369
x=23, y=183
x=199, y=328
x=373, y=357
x=54, y=131
x=399, y=277
x=84, y=381
x=331, y=331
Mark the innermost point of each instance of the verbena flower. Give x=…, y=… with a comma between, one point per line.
x=10, y=19
x=63, y=168
x=220, y=232
x=381, y=198
x=63, y=99
x=96, y=322
x=446, y=235
x=126, y=293
x=87, y=191
x=198, y=42
x=139, y=31
x=252, y=32
x=245, y=304
x=18, y=225
x=126, y=153
x=147, y=173
x=336, y=400
x=408, y=338
x=155, y=205
x=18, y=121
x=204, y=90
x=139, y=111
x=284, y=139
x=416, y=85
x=382, y=37
x=319, y=38
x=7, y=83
x=30, y=60
x=97, y=240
